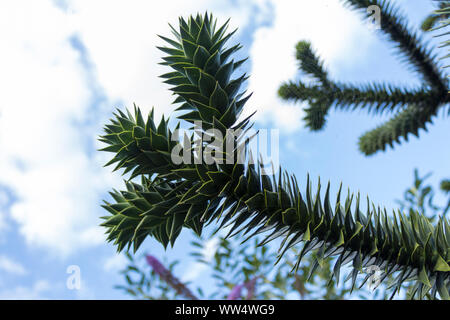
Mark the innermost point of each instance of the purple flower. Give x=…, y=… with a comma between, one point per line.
x=250, y=286
x=235, y=292
x=156, y=265
x=169, y=278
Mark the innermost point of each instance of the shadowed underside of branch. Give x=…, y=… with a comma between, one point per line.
x=411, y=109
x=239, y=195
x=445, y=185
x=436, y=19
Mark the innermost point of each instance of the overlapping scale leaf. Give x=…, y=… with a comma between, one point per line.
x=202, y=80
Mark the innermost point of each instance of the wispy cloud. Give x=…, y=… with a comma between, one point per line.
x=195, y=269
x=335, y=31
x=44, y=160
x=63, y=70
x=115, y=263
x=4, y=199
x=35, y=292
x=11, y=266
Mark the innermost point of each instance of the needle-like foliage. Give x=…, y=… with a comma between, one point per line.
x=437, y=18
x=445, y=185
x=442, y=21
x=411, y=109
x=239, y=195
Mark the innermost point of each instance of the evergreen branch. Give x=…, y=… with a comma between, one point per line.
x=375, y=98
x=249, y=201
x=319, y=101
x=436, y=17
x=240, y=195
x=444, y=19
x=406, y=122
x=445, y=185
x=430, y=22
x=310, y=63
x=395, y=26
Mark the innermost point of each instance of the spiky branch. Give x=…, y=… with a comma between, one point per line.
x=412, y=109
x=445, y=185
x=438, y=17
x=238, y=195
x=442, y=20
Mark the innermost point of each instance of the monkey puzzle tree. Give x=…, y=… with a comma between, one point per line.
x=439, y=18
x=412, y=109
x=172, y=196
x=246, y=271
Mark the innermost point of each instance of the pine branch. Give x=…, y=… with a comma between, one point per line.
x=445, y=185
x=239, y=195
x=310, y=63
x=408, y=43
x=444, y=21
x=406, y=122
x=375, y=98
x=437, y=17
x=429, y=22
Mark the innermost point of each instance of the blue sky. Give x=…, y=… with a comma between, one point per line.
x=68, y=64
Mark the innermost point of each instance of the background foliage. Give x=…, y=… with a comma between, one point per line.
x=233, y=265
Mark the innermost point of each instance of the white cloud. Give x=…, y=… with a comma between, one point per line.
x=195, y=269
x=85, y=292
x=4, y=199
x=35, y=292
x=122, y=44
x=115, y=263
x=44, y=158
x=11, y=266
x=335, y=32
